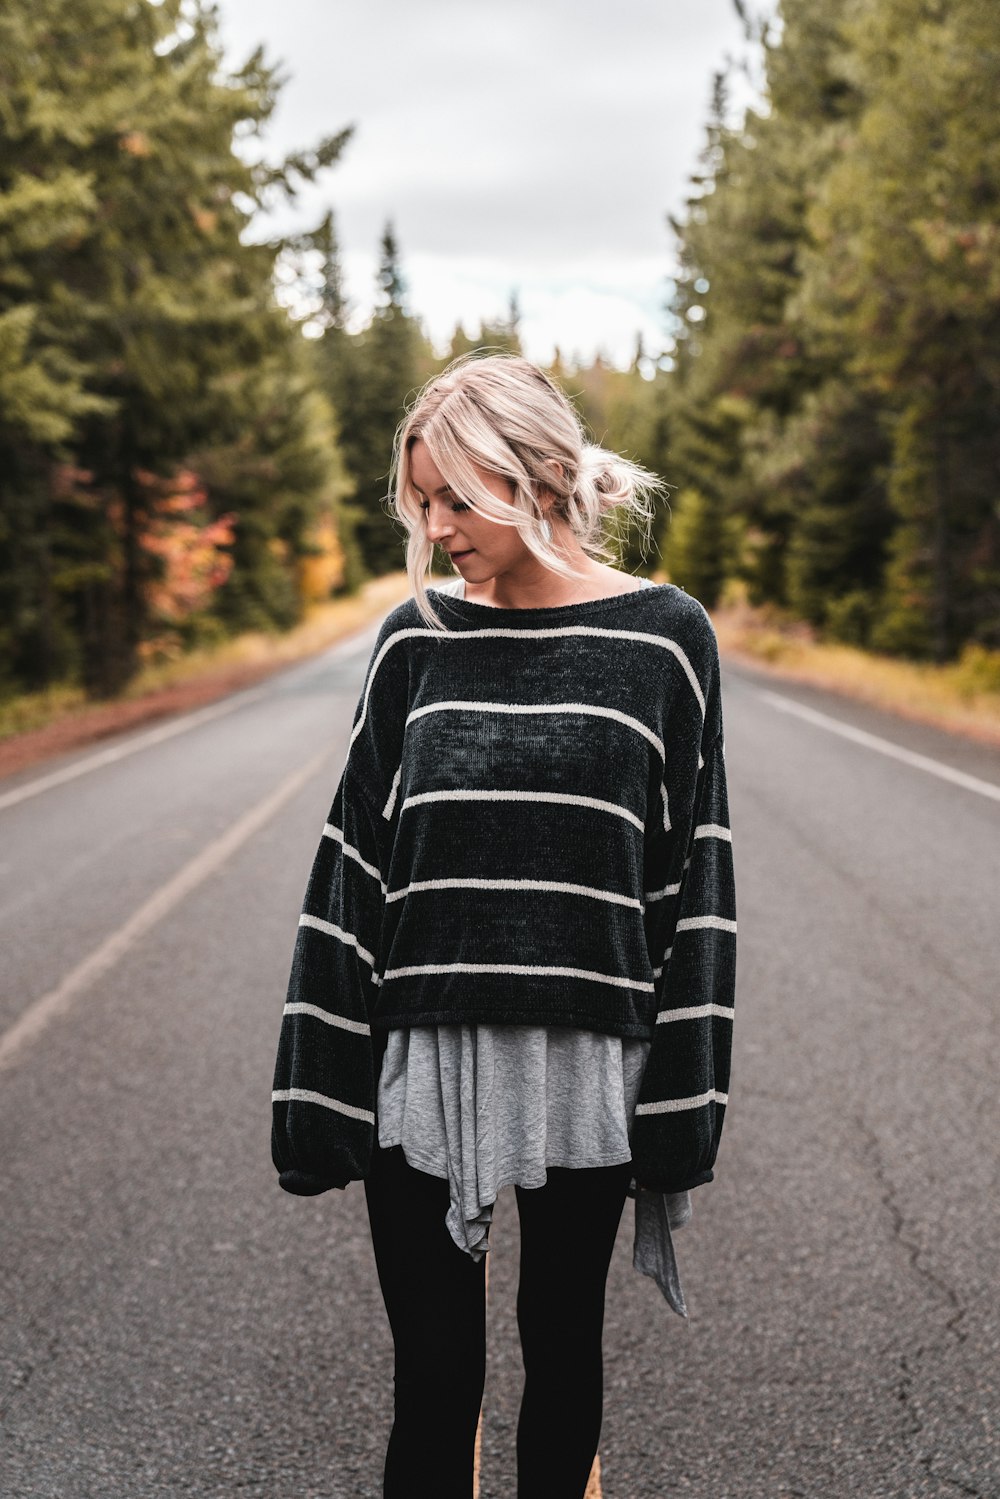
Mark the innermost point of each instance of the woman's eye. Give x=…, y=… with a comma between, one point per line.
x=458, y=505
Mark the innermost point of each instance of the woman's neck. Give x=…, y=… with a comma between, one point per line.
x=605, y=582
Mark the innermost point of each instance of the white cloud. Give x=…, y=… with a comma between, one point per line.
x=579, y=307
x=537, y=145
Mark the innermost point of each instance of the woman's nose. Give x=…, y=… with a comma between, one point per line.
x=438, y=527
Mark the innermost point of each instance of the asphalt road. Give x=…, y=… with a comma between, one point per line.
x=172, y=1323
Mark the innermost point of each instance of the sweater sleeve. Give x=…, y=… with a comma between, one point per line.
x=685, y=1087
x=325, y=1078
x=323, y=1099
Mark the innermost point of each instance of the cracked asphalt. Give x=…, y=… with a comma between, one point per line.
x=173, y=1324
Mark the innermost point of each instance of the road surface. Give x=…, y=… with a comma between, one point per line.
x=174, y=1324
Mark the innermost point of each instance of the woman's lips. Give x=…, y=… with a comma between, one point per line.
x=456, y=556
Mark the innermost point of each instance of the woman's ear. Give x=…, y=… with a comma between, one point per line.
x=546, y=496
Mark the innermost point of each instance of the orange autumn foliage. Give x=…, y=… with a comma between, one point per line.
x=322, y=570
x=175, y=529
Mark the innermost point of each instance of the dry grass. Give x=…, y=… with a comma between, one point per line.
x=963, y=698
x=41, y=725
x=325, y=624
x=34, y=710
x=252, y=654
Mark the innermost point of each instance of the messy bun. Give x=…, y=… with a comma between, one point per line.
x=605, y=479
x=507, y=415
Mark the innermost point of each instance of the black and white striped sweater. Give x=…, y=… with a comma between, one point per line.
x=531, y=827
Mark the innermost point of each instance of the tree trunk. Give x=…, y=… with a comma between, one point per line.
x=942, y=603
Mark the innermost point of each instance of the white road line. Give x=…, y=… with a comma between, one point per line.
x=129, y=747
x=178, y=725
x=883, y=746
x=47, y=1007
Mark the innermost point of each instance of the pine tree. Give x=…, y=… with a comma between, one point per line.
x=829, y=460
x=906, y=270
x=837, y=309
x=460, y=343
x=333, y=311
x=384, y=364
x=696, y=546
x=767, y=425
x=146, y=310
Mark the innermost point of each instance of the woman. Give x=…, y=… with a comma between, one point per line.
x=516, y=957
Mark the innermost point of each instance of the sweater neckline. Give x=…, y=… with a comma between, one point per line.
x=609, y=602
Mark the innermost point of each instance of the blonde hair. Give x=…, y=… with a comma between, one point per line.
x=509, y=417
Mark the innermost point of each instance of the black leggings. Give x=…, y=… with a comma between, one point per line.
x=435, y=1296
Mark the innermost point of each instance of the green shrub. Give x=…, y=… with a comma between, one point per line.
x=977, y=670
x=848, y=618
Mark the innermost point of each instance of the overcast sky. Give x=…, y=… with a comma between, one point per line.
x=528, y=144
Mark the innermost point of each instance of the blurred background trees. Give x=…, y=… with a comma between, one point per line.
x=195, y=434
x=140, y=338
x=837, y=319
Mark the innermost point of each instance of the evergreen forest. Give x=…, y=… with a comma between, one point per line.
x=195, y=438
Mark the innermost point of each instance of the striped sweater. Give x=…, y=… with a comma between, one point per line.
x=531, y=827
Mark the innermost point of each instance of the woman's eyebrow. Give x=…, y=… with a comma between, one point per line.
x=445, y=489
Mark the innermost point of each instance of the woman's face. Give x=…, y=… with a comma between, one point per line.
x=480, y=548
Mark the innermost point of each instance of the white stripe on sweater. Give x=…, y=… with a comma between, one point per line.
x=564, y=798
x=599, y=711
x=306, y=1095
x=393, y=793
x=593, y=709
x=666, y=960
x=558, y=887
x=695, y=1012
x=677, y=1105
x=519, y=968
x=299, y=1007
x=652, y=895
x=713, y=830
x=394, y=790
x=641, y=637
x=330, y=830
x=335, y=931
x=688, y=923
